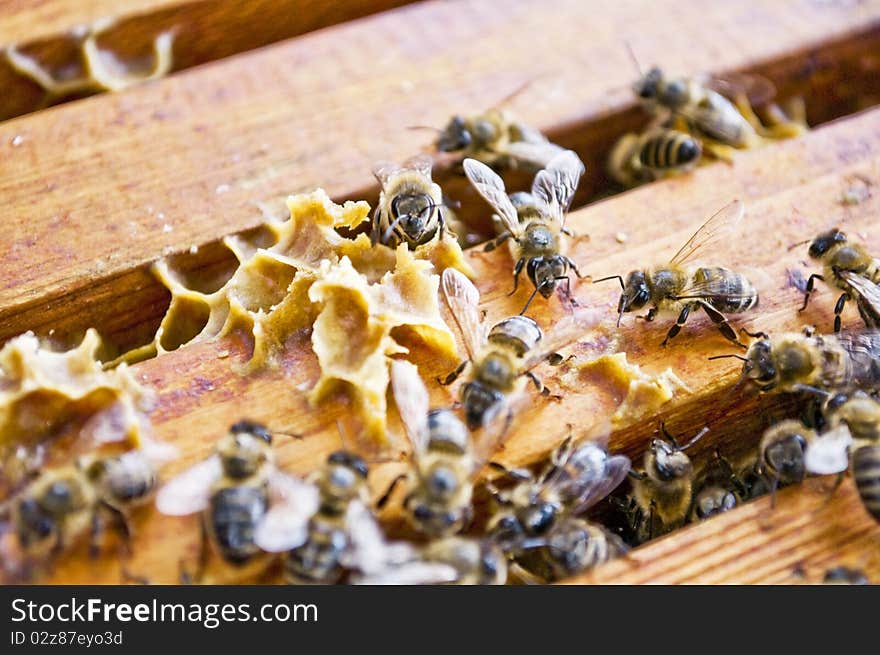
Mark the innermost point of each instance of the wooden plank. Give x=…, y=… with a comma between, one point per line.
x=794, y=542
x=206, y=30
x=178, y=154
x=792, y=190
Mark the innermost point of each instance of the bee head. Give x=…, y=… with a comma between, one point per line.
x=345, y=475
x=759, y=365
x=648, y=86
x=413, y=213
x=664, y=461
x=636, y=293
x=538, y=517
x=714, y=500
x=244, y=449
x=455, y=136
x=825, y=241
x=784, y=457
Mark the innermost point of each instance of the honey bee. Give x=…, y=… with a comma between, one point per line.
x=233, y=490
x=500, y=360
x=716, y=490
x=449, y=560
x=410, y=208
x=852, y=440
x=326, y=529
x=781, y=453
x=497, y=139
x=679, y=287
x=56, y=509
x=851, y=269
x=445, y=458
x=845, y=575
x=539, y=523
x=704, y=110
x=653, y=155
x=663, y=492
x=818, y=364
x=535, y=243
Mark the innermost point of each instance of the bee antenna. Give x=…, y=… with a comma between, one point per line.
x=611, y=277
x=731, y=355
x=696, y=438
x=424, y=127
x=633, y=58
x=798, y=244
x=387, y=234
x=529, y=301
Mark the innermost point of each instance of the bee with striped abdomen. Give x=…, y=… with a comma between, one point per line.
x=499, y=361
x=658, y=153
x=683, y=288
x=410, y=208
x=535, y=237
x=852, y=269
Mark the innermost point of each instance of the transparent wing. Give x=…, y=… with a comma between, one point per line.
x=757, y=89
x=496, y=427
x=292, y=503
x=534, y=153
x=490, y=185
x=417, y=572
x=700, y=115
x=369, y=552
x=829, y=452
x=869, y=297
x=421, y=163
x=189, y=491
x=616, y=469
x=713, y=231
x=556, y=184
x=707, y=289
x=412, y=401
x=564, y=333
x=531, y=135
x=385, y=170
x=463, y=300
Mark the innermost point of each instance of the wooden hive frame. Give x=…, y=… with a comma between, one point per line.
x=195, y=152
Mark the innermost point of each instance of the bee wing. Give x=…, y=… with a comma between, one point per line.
x=616, y=469
x=496, y=424
x=385, y=170
x=463, y=300
x=416, y=572
x=556, y=184
x=757, y=89
x=189, y=491
x=829, y=452
x=412, y=401
x=868, y=297
x=713, y=231
x=285, y=525
x=490, y=185
x=707, y=289
x=368, y=550
x=534, y=151
x=564, y=333
x=421, y=163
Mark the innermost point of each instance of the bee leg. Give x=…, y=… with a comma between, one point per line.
x=524, y=576
x=497, y=241
x=128, y=576
x=721, y=323
x=123, y=525
x=380, y=504
x=808, y=291
x=516, y=273
x=452, y=377
x=650, y=316
x=679, y=323
x=566, y=292
x=755, y=335
x=96, y=531
x=577, y=272
x=544, y=391
x=518, y=474
x=838, y=309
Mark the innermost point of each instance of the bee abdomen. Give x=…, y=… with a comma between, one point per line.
x=669, y=150
x=866, y=471
x=235, y=512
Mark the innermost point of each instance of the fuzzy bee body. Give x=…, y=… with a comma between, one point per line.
x=231, y=519
x=410, y=207
x=852, y=269
x=866, y=473
x=653, y=155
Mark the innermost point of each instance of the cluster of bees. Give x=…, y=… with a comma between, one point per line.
x=536, y=531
